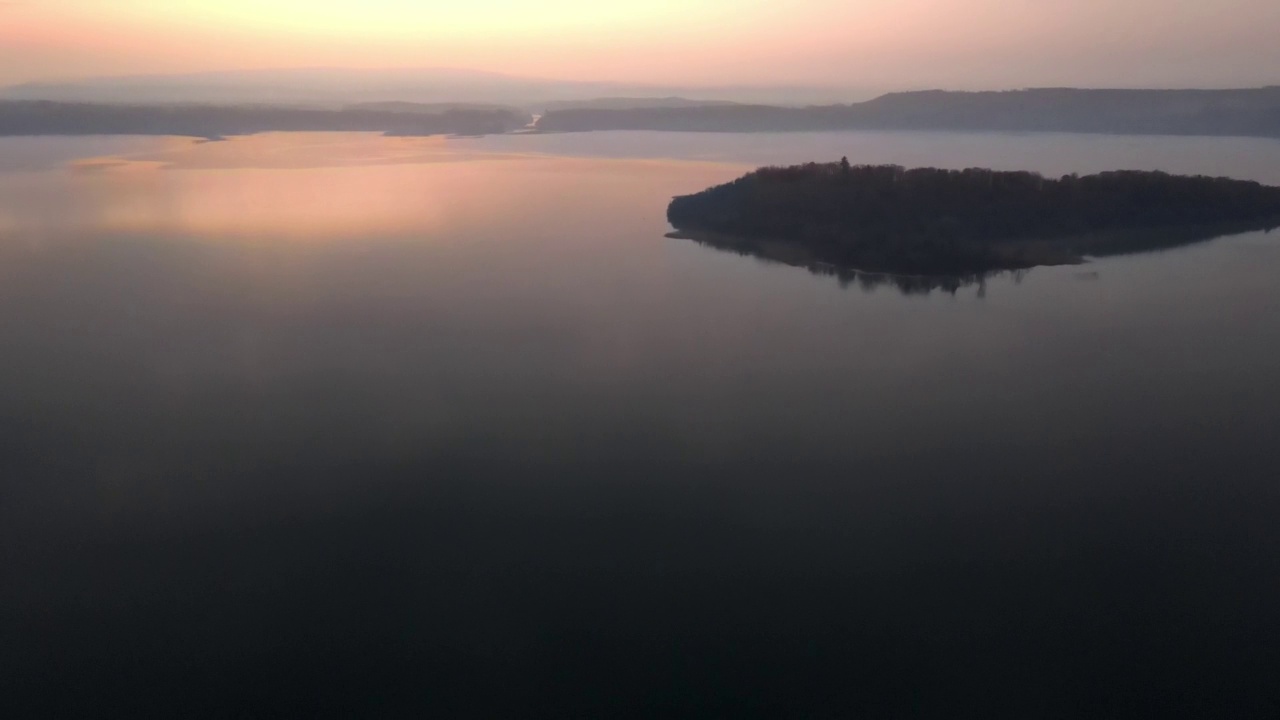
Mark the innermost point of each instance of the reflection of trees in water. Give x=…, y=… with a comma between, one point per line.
x=1132, y=242
x=871, y=281
x=914, y=284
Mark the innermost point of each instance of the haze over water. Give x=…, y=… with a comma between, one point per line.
x=358, y=425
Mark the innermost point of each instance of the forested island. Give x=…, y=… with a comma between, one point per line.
x=38, y=117
x=929, y=221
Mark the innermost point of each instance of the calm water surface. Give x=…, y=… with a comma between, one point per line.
x=349, y=425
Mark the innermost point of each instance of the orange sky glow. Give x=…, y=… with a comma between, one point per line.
x=869, y=43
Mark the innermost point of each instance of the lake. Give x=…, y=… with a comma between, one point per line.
x=385, y=427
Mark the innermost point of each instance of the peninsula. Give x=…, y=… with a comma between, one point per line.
x=929, y=221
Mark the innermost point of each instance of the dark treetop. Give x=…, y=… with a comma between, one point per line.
x=931, y=221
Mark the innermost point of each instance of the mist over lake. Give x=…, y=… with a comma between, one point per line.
x=303, y=424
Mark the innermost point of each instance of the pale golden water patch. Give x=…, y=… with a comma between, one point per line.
x=309, y=203
x=302, y=150
x=155, y=157
x=113, y=164
x=317, y=187
x=308, y=150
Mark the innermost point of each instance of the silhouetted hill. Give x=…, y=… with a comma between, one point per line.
x=327, y=86
x=344, y=86
x=634, y=103
x=931, y=221
x=427, y=108
x=1251, y=112
x=1174, y=112
x=211, y=121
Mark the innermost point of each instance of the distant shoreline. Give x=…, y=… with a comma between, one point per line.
x=1253, y=112
x=1219, y=113
x=217, y=122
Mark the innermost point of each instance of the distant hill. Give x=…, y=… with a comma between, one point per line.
x=426, y=108
x=1247, y=112
x=634, y=103
x=325, y=86
x=336, y=87
x=213, y=121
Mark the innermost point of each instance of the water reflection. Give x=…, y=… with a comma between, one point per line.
x=477, y=438
x=849, y=277
x=309, y=187
x=1133, y=243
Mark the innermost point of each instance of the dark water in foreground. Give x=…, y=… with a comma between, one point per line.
x=301, y=426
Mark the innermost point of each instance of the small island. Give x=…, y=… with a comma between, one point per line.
x=929, y=221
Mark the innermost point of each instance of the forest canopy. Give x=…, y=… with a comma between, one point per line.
x=933, y=221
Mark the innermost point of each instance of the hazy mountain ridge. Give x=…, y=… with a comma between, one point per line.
x=634, y=103
x=1249, y=112
x=346, y=86
x=212, y=121
x=1243, y=112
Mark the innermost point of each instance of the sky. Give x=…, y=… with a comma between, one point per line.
x=889, y=44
